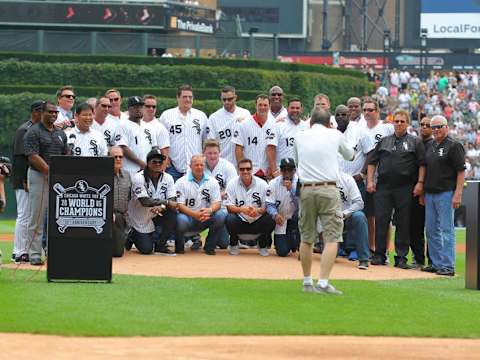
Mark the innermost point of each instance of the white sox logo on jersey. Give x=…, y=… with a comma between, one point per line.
x=196, y=125
x=206, y=195
x=257, y=199
x=108, y=136
x=94, y=147
x=148, y=136
x=220, y=181
x=81, y=206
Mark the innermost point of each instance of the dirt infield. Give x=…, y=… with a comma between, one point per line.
x=24, y=346
x=248, y=265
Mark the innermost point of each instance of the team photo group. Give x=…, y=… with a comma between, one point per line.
x=293, y=178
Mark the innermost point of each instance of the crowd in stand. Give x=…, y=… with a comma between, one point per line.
x=236, y=174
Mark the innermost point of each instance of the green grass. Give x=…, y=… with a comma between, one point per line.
x=7, y=226
x=154, y=306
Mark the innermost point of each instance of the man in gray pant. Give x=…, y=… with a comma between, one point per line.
x=42, y=140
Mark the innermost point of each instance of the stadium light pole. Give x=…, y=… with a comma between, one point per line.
x=423, y=51
x=386, y=49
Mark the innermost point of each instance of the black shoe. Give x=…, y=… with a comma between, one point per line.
x=128, y=244
x=377, y=260
x=36, y=262
x=165, y=251
x=13, y=258
x=209, y=252
x=179, y=251
x=403, y=265
x=445, y=272
x=22, y=259
x=429, y=269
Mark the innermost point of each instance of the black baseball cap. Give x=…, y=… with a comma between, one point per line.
x=287, y=163
x=37, y=105
x=155, y=154
x=134, y=101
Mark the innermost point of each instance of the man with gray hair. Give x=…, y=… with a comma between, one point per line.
x=445, y=176
x=318, y=172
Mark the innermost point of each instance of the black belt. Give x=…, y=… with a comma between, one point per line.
x=325, y=183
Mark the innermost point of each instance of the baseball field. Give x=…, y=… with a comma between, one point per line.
x=224, y=307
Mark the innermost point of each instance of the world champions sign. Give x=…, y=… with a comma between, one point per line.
x=80, y=218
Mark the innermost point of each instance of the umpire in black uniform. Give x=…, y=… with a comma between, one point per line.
x=399, y=159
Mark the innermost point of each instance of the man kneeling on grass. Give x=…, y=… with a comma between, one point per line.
x=152, y=209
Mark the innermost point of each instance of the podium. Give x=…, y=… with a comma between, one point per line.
x=471, y=200
x=80, y=216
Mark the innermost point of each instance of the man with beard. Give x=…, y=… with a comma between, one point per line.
x=222, y=123
x=281, y=146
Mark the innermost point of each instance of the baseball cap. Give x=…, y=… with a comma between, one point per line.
x=287, y=163
x=37, y=105
x=155, y=153
x=135, y=100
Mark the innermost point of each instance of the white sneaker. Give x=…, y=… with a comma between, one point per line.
x=308, y=288
x=233, y=250
x=188, y=244
x=263, y=252
x=329, y=290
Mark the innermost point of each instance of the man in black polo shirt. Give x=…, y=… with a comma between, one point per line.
x=399, y=159
x=445, y=164
x=19, y=184
x=42, y=140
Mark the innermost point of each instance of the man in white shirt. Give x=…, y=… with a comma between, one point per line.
x=252, y=136
x=106, y=125
x=317, y=163
x=222, y=123
x=282, y=206
x=199, y=202
x=355, y=228
x=185, y=126
x=155, y=133
x=136, y=147
x=281, y=145
x=223, y=171
x=65, y=100
x=246, y=205
x=115, y=112
x=82, y=139
x=152, y=208
x=275, y=97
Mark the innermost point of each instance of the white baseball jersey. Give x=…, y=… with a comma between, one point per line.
x=221, y=126
x=380, y=130
x=223, y=172
x=132, y=134
x=110, y=130
x=284, y=139
x=283, y=113
x=90, y=143
x=197, y=195
x=361, y=121
x=155, y=134
x=123, y=117
x=239, y=195
x=284, y=200
x=362, y=143
x=349, y=194
x=140, y=217
x=254, y=139
x=186, y=135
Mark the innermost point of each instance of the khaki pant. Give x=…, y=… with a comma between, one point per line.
x=323, y=202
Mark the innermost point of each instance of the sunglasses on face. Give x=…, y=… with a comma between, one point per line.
x=151, y=106
x=118, y=157
x=425, y=125
x=399, y=121
x=69, y=96
x=369, y=110
x=277, y=94
x=436, y=127
x=114, y=99
x=228, y=99
x=245, y=169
